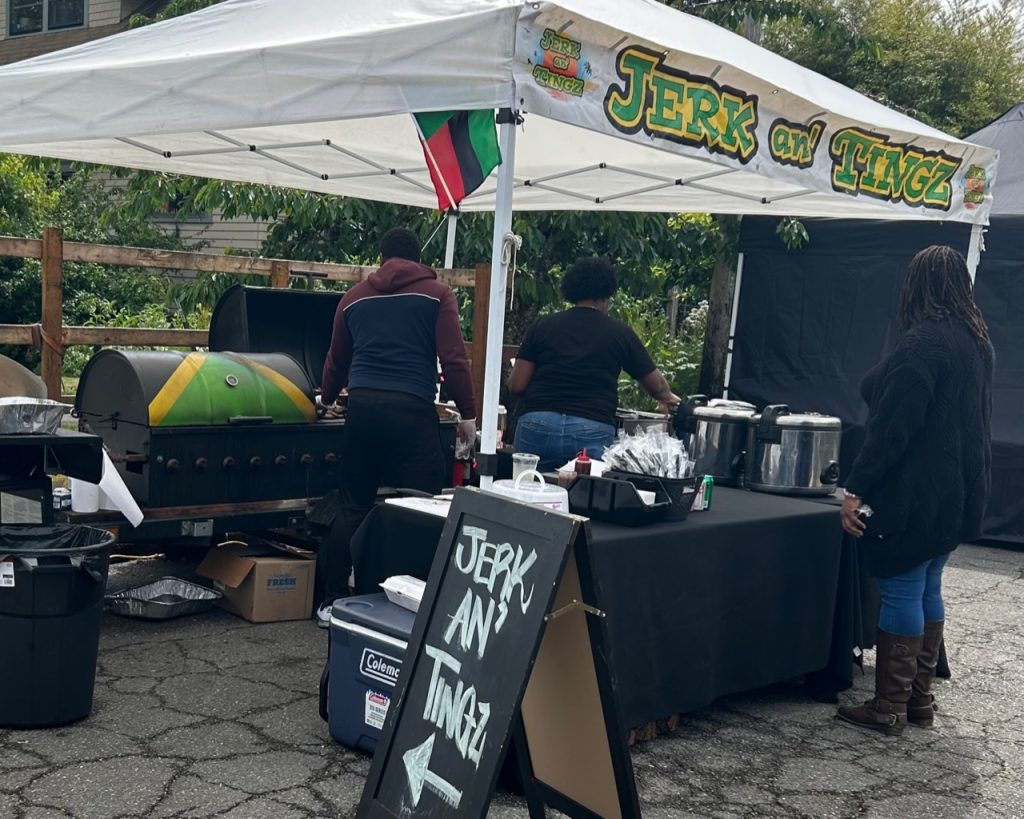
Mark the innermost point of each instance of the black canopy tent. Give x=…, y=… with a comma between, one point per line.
x=811, y=322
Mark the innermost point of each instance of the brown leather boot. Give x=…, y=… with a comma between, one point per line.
x=921, y=705
x=895, y=669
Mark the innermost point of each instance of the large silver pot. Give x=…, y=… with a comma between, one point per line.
x=791, y=454
x=715, y=434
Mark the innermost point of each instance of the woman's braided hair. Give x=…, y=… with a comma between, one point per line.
x=938, y=286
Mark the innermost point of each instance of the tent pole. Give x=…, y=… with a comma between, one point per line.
x=449, y=248
x=732, y=325
x=488, y=414
x=974, y=250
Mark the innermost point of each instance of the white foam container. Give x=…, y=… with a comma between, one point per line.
x=404, y=590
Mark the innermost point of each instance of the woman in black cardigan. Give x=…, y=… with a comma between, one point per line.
x=924, y=471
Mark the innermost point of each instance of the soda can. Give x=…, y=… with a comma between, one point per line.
x=707, y=486
x=61, y=498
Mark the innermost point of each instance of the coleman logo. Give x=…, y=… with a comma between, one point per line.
x=380, y=666
x=281, y=582
x=670, y=104
x=863, y=162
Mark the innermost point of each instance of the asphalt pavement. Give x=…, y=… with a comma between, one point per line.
x=212, y=716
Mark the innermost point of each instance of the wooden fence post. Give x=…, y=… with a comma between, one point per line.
x=673, y=311
x=481, y=299
x=52, y=347
x=279, y=274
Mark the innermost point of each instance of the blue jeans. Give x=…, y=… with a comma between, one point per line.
x=558, y=438
x=911, y=598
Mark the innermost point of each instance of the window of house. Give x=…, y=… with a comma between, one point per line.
x=34, y=16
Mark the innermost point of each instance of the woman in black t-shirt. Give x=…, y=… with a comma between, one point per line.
x=568, y=369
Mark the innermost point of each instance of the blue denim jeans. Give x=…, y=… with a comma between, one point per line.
x=911, y=598
x=558, y=438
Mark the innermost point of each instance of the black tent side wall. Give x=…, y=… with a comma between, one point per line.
x=813, y=321
x=999, y=292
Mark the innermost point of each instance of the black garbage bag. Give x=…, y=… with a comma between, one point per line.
x=26, y=539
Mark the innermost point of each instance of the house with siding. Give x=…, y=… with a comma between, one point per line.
x=216, y=234
x=29, y=28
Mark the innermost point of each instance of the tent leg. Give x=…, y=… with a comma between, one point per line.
x=974, y=250
x=488, y=414
x=449, y=248
x=732, y=325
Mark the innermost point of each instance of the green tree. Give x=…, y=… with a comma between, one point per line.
x=653, y=251
x=677, y=355
x=955, y=65
x=40, y=193
x=173, y=9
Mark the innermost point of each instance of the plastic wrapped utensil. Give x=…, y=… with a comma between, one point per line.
x=649, y=452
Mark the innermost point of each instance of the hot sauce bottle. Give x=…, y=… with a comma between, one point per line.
x=583, y=463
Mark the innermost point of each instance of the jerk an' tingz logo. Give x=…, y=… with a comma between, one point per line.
x=671, y=104
x=791, y=143
x=868, y=163
x=559, y=65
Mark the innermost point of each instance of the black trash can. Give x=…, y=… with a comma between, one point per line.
x=52, y=580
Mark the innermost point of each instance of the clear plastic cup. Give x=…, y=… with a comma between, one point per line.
x=523, y=462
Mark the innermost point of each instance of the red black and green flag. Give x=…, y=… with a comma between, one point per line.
x=461, y=148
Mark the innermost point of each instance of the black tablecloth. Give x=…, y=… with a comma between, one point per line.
x=735, y=598
x=858, y=602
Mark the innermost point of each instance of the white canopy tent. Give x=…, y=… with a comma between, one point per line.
x=627, y=105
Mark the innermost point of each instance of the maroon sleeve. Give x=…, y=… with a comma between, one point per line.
x=339, y=358
x=451, y=350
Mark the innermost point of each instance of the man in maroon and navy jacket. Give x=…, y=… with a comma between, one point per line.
x=389, y=333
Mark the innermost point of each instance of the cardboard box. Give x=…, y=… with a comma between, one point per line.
x=263, y=582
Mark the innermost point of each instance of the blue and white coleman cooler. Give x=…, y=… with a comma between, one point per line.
x=368, y=638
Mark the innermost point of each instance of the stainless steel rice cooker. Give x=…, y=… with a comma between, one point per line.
x=792, y=454
x=715, y=434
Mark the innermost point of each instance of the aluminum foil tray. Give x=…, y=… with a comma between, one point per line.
x=162, y=599
x=24, y=416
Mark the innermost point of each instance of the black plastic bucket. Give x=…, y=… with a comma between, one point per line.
x=677, y=491
x=50, y=611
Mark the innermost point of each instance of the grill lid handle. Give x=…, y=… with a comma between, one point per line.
x=251, y=419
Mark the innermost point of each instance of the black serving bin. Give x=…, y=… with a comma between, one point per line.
x=614, y=498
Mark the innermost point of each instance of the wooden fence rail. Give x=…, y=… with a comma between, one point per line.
x=52, y=336
x=111, y=336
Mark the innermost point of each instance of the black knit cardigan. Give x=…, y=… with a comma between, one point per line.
x=925, y=466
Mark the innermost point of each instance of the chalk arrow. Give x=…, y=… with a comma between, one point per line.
x=417, y=767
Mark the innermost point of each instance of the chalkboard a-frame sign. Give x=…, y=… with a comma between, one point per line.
x=508, y=650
